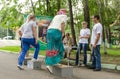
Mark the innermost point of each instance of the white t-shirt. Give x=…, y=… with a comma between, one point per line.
x=26, y=29
x=56, y=22
x=84, y=32
x=97, y=28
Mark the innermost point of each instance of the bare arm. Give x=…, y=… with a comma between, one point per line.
x=97, y=39
x=34, y=32
x=20, y=33
x=88, y=36
x=63, y=28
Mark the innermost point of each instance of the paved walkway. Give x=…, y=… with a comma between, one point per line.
x=8, y=70
x=9, y=43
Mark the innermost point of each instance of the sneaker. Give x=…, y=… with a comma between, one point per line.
x=33, y=59
x=97, y=70
x=83, y=65
x=20, y=67
x=91, y=67
x=49, y=68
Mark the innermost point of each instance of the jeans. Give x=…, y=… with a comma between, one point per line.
x=26, y=42
x=96, y=57
x=83, y=47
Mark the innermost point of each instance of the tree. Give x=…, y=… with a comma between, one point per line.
x=32, y=5
x=58, y=3
x=72, y=23
x=48, y=5
x=86, y=12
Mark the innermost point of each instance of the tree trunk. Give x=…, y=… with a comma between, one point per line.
x=86, y=15
x=72, y=23
x=86, y=12
x=101, y=19
x=32, y=7
x=58, y=4
x=48, y=5
x=109, y=37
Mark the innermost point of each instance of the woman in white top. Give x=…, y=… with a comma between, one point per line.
x=28, y=37
x=55, y=48
x=83, y=43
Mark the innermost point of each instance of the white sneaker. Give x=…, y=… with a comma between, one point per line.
x=83, y=65
x=49, y=68
x=33, y=59
x=20, y=67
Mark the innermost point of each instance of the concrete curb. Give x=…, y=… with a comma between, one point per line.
x=108, y=67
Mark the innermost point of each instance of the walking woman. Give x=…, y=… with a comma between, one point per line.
x=29, y=37
x=55, y=48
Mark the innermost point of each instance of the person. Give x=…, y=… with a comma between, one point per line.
x=67, y=44
x=27, y=55
x=55, y=48
x=29, y=37
x=44, y=34
x=96, y=40
x=83, y=43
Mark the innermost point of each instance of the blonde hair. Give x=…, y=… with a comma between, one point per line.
x=84, y=22
x=30, y=17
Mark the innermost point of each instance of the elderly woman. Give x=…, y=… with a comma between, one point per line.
x=28, y=37
x=55, y=48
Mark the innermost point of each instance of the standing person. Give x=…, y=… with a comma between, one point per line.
x=83, y=43
x=27, y=55
x=96, y=40
x=67, y=44
x=29, y=37
x=55, y=46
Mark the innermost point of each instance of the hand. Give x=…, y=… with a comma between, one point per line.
x=94, y=45
x=81, y=37
x=36, y=41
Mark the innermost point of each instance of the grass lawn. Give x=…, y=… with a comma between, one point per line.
x=16, y=49
x=112, y=51
x=113, y=56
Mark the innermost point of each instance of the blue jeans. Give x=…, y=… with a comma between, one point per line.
x=83, y=47
x=26, y=42
x=96, y=57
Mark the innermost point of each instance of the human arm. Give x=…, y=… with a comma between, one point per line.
x=34, y=29
x=87, y=36
x=97, y=39
x=20, y=33
x=63, y=29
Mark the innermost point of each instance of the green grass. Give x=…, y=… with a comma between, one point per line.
x=112, y=52
x=16, y=49
x=112, y=57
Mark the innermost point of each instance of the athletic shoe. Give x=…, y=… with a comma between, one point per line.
x=20, y=67
x=49, y=68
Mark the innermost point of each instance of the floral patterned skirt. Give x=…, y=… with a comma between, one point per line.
x=55, y=48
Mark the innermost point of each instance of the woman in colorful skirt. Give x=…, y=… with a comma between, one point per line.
x=55, y=48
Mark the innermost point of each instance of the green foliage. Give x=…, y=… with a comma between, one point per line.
x=12, y=15
x=16, y=49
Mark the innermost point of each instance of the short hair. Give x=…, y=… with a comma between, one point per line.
x=97, y=17
x=84, y=22
x=68, y=34
x=31, y=16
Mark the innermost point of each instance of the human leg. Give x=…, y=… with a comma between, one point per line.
x=25, y=47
